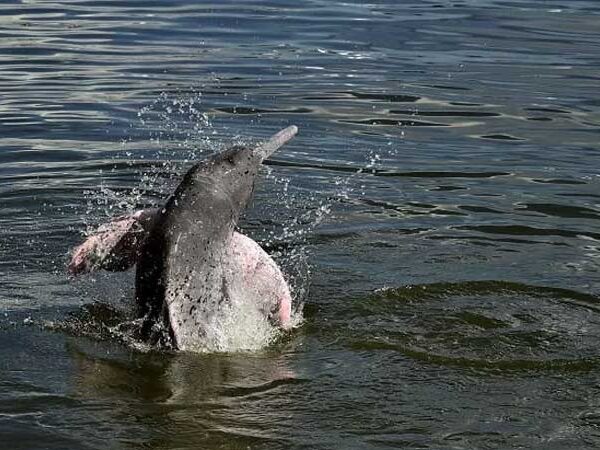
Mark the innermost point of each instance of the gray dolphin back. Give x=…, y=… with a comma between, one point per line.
x=180, y=277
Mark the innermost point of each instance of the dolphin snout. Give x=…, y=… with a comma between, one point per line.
x=275, y=142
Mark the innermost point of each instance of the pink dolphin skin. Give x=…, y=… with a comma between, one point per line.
x=115, y=246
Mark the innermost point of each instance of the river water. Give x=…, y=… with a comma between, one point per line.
x=438, y=213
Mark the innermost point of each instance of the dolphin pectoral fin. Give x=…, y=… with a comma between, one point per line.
x=114, y=246
x=276, y=141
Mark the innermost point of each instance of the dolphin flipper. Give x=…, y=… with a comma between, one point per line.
x=114, y=246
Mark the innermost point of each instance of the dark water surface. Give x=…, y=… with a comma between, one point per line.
x=454, y=297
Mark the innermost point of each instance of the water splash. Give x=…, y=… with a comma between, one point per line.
x=172, y=131
x=236, y=328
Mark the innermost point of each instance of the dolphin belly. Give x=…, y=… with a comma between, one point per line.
x=255, y=277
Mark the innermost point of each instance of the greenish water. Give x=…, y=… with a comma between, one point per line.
x=438, y=214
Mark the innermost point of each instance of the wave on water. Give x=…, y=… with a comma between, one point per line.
x=482, y=325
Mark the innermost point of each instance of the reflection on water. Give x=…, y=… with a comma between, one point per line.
x=442, y=145
x=189, y=400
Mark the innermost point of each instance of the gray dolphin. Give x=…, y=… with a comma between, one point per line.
x=185, y=270
x=191, y=264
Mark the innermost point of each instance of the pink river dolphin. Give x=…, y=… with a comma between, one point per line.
x=190, y=260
